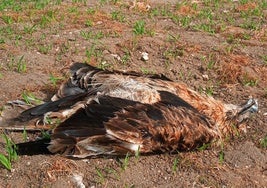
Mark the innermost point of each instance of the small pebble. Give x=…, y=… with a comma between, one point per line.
x=144, y=56
x=205, y=77
x=78, y=180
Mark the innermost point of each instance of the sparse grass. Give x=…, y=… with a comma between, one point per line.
x=73, y=10
x=103, y=65
x=125, y=162
x=18, y=65
x=173, y=38
x=21, y=65
x=249, y=81
x=118, y=16
x=264, y=58
x=45, y=135
x=94, y=54
x=205, y=27
x=106, y=173
x=54, y=80
x=175, y=164
x=91, y=35
x=29, y=98
x=6, y=161
x=88, y=23
x=2, y=41
x=126, y=56
x=2, y=108
x=209, y=90
x=147, y=71
x=44, y=49
x=7, y=19
x=139, y=27
x=204, y=147
x=90, y=52
x=25, y=135
x=185, y=21
x=91, y=11
x=172, y=54
x=100, y=175
x=221, y=154
x=263, y=142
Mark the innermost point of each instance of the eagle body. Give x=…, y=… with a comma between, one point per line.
x=115, y=113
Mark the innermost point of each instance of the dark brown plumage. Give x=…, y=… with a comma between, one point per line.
x=113, y=113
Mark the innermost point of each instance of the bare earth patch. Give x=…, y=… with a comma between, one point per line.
x=216, y=48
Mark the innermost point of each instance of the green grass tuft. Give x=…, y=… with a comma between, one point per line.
x=10, y=148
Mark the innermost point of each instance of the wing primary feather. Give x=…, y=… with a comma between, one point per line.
x=62, y=103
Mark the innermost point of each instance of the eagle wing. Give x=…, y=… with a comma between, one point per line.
x=115, y=126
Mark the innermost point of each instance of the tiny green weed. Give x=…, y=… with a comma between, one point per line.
x=263, y=142
x=139, y=27
x=18, y=65
x=91, y=11
x=25, y=135
x=90, y=35
x=29, y=98
x=21, y=65
x=264, y=58
x=89, y=53
x=203, y=147
x=44, y=49
x=118, y=16
x=7, y=19
x=173, y=38
x=125, y=162
x=45, y=134
x=249, y=81
x=175, y=165
x=29, y=29
x=11, y=153
x=88, y=23
x=54, y=80
x=221, y=154
x=100, y=175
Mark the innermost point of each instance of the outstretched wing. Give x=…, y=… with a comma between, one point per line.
x=86, y=82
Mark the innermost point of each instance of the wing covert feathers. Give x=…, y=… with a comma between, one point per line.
x=119, y=126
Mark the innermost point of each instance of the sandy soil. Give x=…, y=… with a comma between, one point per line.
x=228, y=62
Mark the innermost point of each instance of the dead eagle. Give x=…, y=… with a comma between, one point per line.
x=115, y=113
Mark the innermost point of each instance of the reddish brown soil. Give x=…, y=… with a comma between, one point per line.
x=226, y=64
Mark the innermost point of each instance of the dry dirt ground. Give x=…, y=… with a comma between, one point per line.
x=216, y=47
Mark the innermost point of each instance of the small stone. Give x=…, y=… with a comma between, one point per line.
x=205, y=77
x=77, y=179
x=144, y=56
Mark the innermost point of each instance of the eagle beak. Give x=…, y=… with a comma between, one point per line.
x=250, y=107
